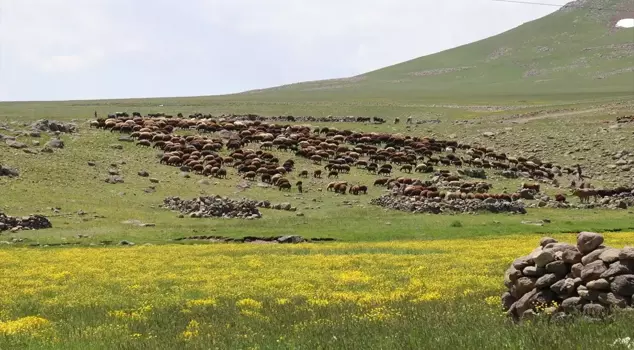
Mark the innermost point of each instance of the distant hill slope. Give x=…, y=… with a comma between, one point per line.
x=576, y=50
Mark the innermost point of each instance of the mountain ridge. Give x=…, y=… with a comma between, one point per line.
x=574, y=49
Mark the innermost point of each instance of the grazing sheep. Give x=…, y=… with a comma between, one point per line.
x=381, y=182
x=386, y=171
x=530, y=186
x=406, y=168
x=284, y=185
x=221, y=173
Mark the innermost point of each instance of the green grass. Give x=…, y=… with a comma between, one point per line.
x=466, y=324
x=63, y=179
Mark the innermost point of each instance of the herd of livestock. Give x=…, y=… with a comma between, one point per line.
x=249, y=145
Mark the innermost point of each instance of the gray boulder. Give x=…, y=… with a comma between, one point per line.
x=588, y=241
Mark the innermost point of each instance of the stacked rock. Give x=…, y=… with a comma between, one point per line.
x=438, y=206
x=214, y=206
x=563, y=279
x=32, y=222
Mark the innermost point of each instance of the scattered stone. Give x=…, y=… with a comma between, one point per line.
x=9, y=172
x=91, y=163
x=55, y=143
x=143, y=173
x=114, y=179
x=116, y=146
x=16, y=144
x=124, y=242
x=154, y=180
x=54, y=126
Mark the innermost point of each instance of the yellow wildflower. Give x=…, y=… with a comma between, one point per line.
x=24, y=325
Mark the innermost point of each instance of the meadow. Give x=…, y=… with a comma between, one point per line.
x=391, y=280
x=403, y=294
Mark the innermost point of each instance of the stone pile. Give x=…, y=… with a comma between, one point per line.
x=475, y=173
x=278, y=206
x=439, y=206
x=561, y=279
x=53, y=126
x=619, y=201
x=31, y=222
x=214, y=206
x=7, y=171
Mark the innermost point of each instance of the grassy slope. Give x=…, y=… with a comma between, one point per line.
x=63, y=179
x=564, y=52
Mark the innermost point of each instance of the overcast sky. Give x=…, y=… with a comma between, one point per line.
x=88, y=49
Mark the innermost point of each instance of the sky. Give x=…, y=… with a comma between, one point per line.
x=97, y=49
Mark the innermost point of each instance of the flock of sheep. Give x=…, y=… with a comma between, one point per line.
x=248, y=146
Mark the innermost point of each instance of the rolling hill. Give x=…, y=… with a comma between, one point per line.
x=576, y=50
x=575, y=55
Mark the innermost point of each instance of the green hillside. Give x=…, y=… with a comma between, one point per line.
x=576, y=50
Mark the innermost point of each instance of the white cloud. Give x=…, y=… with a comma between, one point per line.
x=66, y=49
x=65, y=35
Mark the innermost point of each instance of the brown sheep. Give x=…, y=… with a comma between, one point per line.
x=406, y=168
x=531, y=186
x=303, y=173
x=221, y=173
x=145, y=143
x=334, y=174
x=386, y=171
x=381, y=182
x=341, y=188
x=175, y=160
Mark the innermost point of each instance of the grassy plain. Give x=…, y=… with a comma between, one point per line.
x=551, y=88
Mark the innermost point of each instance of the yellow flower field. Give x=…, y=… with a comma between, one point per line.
x=127, y=286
